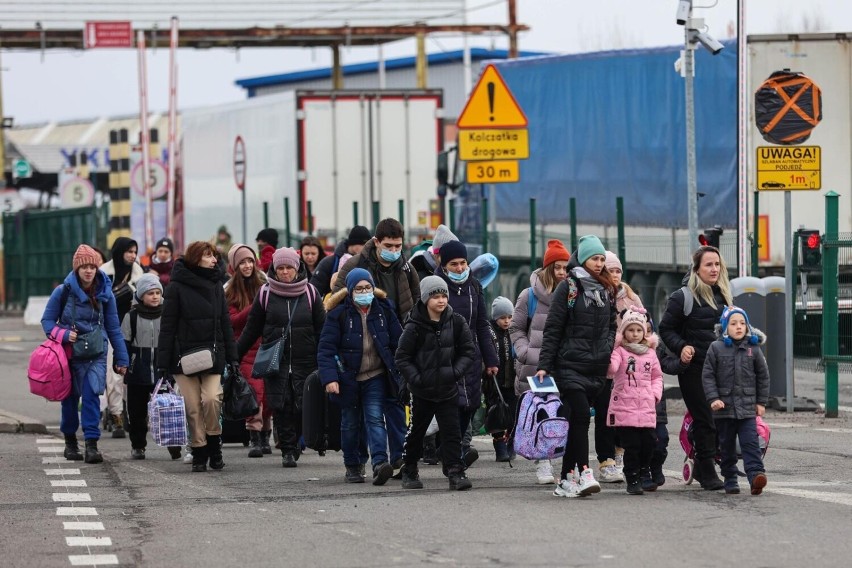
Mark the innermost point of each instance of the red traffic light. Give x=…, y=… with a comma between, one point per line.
x=703, y=240
x=812, y=241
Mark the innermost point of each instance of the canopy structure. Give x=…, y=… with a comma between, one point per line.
x=59, y=24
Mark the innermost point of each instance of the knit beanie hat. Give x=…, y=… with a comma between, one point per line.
x=501, y=307
x=356, y=275
x=443, y=235
x=452, y=250
x=86, y=255
x=612, y=261
x=358, y=235
x=146, y=283
x=269, y=236
x=555, y=251
x=238, y=253
x=285, y=256
x=633, y=314
x=726, y=316
x=432, y=285
x=166, y=242
x=589, y=246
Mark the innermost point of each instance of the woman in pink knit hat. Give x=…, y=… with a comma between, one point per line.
x=84, y=305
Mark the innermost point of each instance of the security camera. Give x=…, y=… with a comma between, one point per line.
x=710, y=43
x=683, y=7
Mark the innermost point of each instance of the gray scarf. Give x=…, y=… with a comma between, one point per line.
x=593, y=291
x=637, y=348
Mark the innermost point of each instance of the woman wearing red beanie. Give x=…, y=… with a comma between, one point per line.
x=527, y=329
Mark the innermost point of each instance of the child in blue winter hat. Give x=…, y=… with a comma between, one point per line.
x=736, y=382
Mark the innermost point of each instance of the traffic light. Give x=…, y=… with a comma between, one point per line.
x=811, y=251
x=710, y=237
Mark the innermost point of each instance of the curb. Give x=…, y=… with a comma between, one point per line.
x=12, y=423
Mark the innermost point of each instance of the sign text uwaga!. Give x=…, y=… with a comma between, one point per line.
x=788, y=167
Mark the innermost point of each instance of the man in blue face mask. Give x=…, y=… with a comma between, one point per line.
x=382, y=257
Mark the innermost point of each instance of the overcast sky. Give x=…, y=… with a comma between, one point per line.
x=82, y=85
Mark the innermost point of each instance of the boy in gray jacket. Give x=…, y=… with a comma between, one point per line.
x=736, y=382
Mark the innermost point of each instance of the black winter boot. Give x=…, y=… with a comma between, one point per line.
x=255, y=450
x=353, y=474
x=288, y=459
x=72, y=449
x=411, y=477
x=501, y=450
x=199, y=459
x=214, y=450
x=648, y=483
x=264, y=441
x=709, y=479
x=459, y=481
x=92, y=453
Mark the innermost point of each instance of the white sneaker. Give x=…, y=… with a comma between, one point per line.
x=567, y=488
x=619, y=460
x=608, y=472
x=544, y=472
x=587, y=483
x=187, y=457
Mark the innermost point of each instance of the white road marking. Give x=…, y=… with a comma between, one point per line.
x=50, y=449
x=76, y=512
x=59, y=471
x=824, y=496
x=48, y=441
x=68, y=483
x=53, y=460
x=82, y=526
x=72, y=497
x=835, y=430
x=88, y=541
x=93, y=559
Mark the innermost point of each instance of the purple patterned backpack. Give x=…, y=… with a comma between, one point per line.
x=542, y=429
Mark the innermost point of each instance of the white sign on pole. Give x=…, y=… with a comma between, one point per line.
x=76, y=192
x=157, y=177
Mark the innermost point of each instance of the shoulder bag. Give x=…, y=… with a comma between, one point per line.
x=88, y=345
x=267, y=362
x=200, y=359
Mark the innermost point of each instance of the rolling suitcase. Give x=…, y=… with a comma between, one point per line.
x=320, y=417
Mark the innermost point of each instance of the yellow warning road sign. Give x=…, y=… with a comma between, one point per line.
x=504, y=171
x=491, y=104
x=784, y=168
x=475, y=145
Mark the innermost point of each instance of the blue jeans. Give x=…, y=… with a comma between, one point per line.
x=81, y=385
x=396, y=427
x=370, y=401
x=729, y=429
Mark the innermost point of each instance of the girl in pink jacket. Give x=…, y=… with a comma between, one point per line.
x=636, y=388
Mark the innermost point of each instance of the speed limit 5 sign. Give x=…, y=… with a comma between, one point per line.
x=76, y=192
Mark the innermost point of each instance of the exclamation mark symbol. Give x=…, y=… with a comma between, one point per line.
x=491, y=100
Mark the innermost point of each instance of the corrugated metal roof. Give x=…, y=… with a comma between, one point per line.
x=434, y=59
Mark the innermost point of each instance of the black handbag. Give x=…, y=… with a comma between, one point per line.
x=267, y=362
x=239, y=401
x=88, y=345
x=498, y=417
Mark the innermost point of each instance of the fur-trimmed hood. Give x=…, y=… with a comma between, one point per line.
x=338, y=297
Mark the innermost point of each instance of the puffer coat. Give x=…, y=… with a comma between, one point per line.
x=637, y=386
x=737, y=375
x=528, y=333
x=433, y=355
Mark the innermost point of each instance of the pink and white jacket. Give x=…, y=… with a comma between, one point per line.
x=637, y=385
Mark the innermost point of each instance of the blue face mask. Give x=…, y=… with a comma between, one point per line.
x=390, y=256
x=364, y=299
x=455, y=277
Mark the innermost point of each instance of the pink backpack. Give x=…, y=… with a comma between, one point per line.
x=49, y=371
x=542, y=429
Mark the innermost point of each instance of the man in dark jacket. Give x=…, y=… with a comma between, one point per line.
x=435, y=348
x=382, y=257
x=329, y=265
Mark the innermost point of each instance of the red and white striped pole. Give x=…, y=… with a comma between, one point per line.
x=170, y=199
x=143, y=140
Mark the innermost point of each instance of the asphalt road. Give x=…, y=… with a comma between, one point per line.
x=157, y=513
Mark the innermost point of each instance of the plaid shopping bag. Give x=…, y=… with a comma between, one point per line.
x=167, y=417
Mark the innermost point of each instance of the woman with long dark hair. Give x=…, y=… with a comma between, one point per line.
x=579, y=337
x=311, y=252
x=240, y=291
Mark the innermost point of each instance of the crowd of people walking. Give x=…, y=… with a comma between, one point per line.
x=382, y=333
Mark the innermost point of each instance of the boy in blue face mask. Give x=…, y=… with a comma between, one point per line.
x=356, y=364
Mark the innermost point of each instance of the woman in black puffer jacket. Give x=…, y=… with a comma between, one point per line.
x=579, y=336
x=195, y=316
x=689, y=333
x=286, y=299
